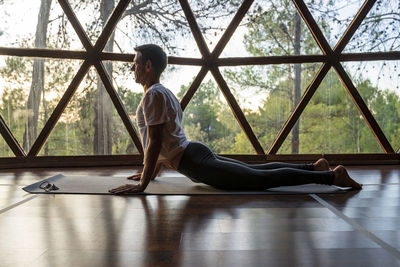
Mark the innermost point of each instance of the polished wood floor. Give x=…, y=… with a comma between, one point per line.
x=351, y=229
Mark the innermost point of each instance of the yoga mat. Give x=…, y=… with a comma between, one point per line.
x=178, y=185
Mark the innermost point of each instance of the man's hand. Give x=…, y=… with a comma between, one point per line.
x=128, y=188
x=157, y=173
x=149, y=162
x=135, y=177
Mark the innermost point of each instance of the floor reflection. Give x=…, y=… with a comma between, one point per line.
x=240, y=230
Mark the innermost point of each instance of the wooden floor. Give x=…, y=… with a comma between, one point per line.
x=351, y=229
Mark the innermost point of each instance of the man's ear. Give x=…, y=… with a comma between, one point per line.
x=148, y=65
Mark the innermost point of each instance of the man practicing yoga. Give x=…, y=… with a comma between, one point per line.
x=159, y=116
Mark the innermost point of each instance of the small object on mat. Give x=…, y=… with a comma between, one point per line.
x=46, y=186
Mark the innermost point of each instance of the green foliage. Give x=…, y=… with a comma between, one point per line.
x=330, y=123
x=14, y=78
x=122, y=142
x=271, y=31
x=202, y=118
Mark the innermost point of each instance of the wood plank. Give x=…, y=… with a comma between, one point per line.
x=234, y=230
x=185, y=61
x=137, y=160
x=116, y=57
x=371, y=56
x=71, y=161
x=268, y=60
x=225, y=61
x=43, y=53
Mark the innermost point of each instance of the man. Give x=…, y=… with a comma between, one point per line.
x=159, y=118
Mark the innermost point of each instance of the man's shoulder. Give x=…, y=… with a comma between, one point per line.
x=157, y=87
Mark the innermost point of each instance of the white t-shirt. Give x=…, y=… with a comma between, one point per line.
x=160, y=106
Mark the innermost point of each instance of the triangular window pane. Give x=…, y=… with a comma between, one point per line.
x=5, y=150
x=165, y=24
x=128, y=90
x=51, y=79
x=90, y=125
x=270, y=29
x=25, y=24
x=175, y=77
x=92, y=15
x=331, y=124
x=379, y=31
x=267, y=94
x=333, y=17
x=378, y=83
x=208, y=119
x=213, y=19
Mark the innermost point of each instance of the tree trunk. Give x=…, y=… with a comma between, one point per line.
x=37, y=84
x=46, y=146
x=358, y=136
x=102, y=143
x=297, y=83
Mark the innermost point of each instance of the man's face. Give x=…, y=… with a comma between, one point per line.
x=138, y=68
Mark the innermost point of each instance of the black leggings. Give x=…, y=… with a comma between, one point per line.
x=200, y=164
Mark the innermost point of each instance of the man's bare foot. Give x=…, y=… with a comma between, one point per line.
x=343, y=179
x=321, y=165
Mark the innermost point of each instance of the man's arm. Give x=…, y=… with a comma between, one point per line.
x=150, y=161
x=151, y=155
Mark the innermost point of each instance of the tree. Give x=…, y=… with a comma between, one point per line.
x=275, y=29
x=378, y=31
x=122, y=142
x=103, y=107
x=202, y=117
x=37, y=85
x=157, y=21
x=15, y=76
x=153, y=21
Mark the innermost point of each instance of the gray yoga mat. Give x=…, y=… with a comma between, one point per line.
x=179, y=185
